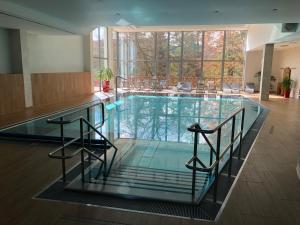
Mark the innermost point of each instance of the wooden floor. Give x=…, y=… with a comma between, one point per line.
x=267, y=192
x=32, y=112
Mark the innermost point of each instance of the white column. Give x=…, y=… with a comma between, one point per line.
x=26, y=68
x=266, y=71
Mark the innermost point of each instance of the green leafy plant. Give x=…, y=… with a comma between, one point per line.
x=104, y=74
x=287, y=83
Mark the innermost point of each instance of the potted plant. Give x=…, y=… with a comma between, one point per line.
x=105, y=75
x=286, y=86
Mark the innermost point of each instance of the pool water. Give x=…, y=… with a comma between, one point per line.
x=153, y=131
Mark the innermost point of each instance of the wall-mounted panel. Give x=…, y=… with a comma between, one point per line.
x=11, y=93
x=51, y=88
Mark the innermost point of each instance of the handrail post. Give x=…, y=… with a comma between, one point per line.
x=116, y=91
x=82, y=150
x=89, y=131
x=63, y=161
x=88, y=117
x=241, y=134
x=194, y=165
x=217, y=166
x=232, y=145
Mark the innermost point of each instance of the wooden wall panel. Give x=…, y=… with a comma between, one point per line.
x=51, y=88
x=11, y=93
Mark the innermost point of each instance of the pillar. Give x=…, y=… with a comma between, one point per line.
x=266, y=71
x=26, y=68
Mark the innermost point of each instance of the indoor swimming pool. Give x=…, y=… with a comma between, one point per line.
x=153, y=142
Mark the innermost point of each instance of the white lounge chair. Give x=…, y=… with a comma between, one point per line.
x=235, y=88
x=250, y=88
x=227, y=88
x=184, y=86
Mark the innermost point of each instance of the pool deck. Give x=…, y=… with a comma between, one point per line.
x=267, y=191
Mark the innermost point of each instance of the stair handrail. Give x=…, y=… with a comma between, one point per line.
x=196, y=129
x=56, y=121
x=83, y=148
x=118, y=77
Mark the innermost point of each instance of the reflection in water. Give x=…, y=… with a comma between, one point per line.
x=163, y=118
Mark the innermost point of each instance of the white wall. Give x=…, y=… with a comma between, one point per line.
x=290, y=58
x=261, y=34
x=253, y=65
x=5, y=52
x=50, y=54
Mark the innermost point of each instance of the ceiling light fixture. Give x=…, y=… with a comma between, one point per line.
x=275, y=10
x=216, y=11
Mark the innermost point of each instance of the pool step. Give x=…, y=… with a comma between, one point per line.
x=142, y=182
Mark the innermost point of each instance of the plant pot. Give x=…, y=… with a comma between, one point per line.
x=105, y=85
x=286, y=93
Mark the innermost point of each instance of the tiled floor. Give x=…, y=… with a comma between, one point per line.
x=267, y=192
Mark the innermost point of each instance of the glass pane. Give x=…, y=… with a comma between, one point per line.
x=235, y=45
x=233, y=69
x=103, y=42
x=162, y=46
x=233, y=72
x=144, y=46
x=114, y=45
x=192, y=45
x=123, y=68
x=122, y=46
x=162, y=69
x=175, y=46
x=95, y=43
x=212, y=71
x=141, y=69
x=95, y=69
x=174, y=69
x=213, y=45
x=191, y=72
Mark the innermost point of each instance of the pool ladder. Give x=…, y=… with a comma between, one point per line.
x=195, y=164
x=93, y=148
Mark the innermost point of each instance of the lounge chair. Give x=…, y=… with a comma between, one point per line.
x=236, y=88
x=184, y=86
x=200, y=87
x=227, y=88
x=250, y=88
x=163, y=84
x=211, y=86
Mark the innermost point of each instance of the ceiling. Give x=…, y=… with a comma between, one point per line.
x=81, y=16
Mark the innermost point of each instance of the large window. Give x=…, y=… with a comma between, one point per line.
x=99, y=54
x=182, y=56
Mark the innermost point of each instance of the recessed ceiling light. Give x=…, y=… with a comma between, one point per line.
x=274, y=10
x=216, y=11
x=118, y=14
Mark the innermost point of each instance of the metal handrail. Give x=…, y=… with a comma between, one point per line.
x=118, y=77
x=56, y=121
x=214, y=165
x=83, y=149
x=196, y=127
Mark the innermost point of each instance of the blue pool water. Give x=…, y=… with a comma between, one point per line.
x=152, y=130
